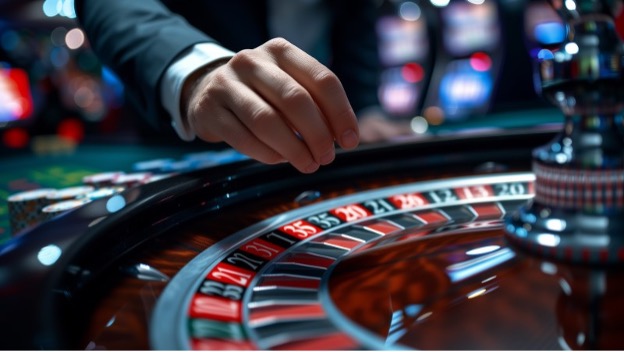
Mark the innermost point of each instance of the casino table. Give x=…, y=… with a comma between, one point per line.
x=394, y=245
x=56, y=164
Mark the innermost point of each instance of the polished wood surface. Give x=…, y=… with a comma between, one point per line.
x=522, y=303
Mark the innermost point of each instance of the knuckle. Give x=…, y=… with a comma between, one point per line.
x=243, y=59
x=278, y=45
x=327, y=81
x=292, y=94
x=260, y=118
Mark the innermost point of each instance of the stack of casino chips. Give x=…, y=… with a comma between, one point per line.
x=66, y=199
x=25, y=208
x=29, y=208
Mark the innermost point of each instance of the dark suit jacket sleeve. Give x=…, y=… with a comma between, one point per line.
x=356, y=53
x=138, y=39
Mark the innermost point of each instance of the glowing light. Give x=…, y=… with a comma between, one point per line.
x=424, y=316
x=549, y=33
x=15, y=98
x=565, y=287
x=412, y=72
x=64, y=8
x=115, y=203
x=419, y=125
x=463, y=270
x=410, y=11
x=74, y=38
x=434, y=115
x=71, y=129
x=548, y=268
x=398, y=97
x=16, y=138
x=571, y=48
x=52, y=8
x=548, y=239
x=49, y=254
x=561, y=158
x=483, y=250
x=556, y=225
x=480, y=62
x=476, y=2
x=440, y=3
x=488, y=279
x=68, y=9
x=476, y=293
x=570, y=5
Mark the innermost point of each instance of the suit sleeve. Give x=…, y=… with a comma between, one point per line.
x=138, y=40
x=356, y=55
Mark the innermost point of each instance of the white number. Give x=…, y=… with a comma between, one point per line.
x=442, y=196
x=379, y=206
x=228, y=291
x=510, y=189
x=300, y=229
x=239, y=257
x=324, y=220
x=408, y=201
x=351, y=212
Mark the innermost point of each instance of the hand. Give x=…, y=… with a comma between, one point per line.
x=274, y=103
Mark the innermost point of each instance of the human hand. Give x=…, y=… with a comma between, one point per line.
x=274, y=103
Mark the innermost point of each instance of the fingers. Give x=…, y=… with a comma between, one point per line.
x=324, y=87
x=269, y=126
x=235, y=114
x=275, y=103
x=291, y=107
x=239, y=137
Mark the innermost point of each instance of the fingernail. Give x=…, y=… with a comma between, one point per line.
x=327, y=157
x=349, y=139
x=311, y=168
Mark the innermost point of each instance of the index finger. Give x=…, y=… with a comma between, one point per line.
x=324, y=87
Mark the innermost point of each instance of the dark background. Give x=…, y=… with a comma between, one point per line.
x=447, y=69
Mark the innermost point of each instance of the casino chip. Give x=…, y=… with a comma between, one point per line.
x=103, y=179
x=25, y=208
x=131, y=180
x=102, y=193
x=52, y=210
x=69, y=193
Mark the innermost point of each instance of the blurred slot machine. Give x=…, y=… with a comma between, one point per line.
x=16, y=102
x=16, y=105
x=405, y=56
x=67, y=96
x=469, y=53
x=543, y=29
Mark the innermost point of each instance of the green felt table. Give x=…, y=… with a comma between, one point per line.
x=28, y=170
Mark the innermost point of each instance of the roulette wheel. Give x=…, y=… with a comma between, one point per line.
x=507, y=240
x=112, y=272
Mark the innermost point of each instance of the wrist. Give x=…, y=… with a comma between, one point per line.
x=184, y=72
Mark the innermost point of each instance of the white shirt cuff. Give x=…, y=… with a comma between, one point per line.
x=198, y=56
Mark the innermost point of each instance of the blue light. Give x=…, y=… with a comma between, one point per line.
x=49, y=254
x=115, y=203
x=463, y=88
x=549, y=33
